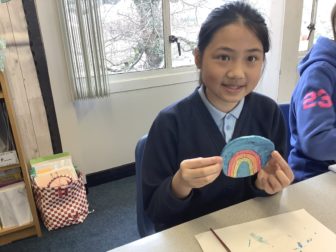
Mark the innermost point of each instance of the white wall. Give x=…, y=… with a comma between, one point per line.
x=102, y=133
x=290, y=47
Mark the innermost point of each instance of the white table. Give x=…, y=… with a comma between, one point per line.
x=317, y=195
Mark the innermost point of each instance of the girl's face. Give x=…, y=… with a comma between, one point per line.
x=231, y=65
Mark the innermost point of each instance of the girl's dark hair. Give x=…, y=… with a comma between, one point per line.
x=230, y=13
x=333, y=21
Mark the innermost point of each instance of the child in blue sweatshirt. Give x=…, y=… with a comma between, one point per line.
x=313, y=110
x=182, y=166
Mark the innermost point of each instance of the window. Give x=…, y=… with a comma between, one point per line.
x=315, y=22
x=151, y=34
x=154, y=34
x=146, y=43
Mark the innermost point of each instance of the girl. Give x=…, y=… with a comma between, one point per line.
x=182, y=176
x=313, y=110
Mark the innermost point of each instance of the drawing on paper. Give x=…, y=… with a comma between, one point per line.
x=295, y=231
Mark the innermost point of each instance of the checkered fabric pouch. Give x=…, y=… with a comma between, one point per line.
x=63, y=205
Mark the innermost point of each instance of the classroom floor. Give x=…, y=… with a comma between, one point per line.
x=112, y=224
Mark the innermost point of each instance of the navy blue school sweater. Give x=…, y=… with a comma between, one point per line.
x=313, y=112
x=186, y=130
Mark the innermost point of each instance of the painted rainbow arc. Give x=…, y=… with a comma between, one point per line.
x=244, y=162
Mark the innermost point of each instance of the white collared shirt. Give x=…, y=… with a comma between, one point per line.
x=224, y=121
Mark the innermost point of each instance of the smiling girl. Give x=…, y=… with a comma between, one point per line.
x=182, y=169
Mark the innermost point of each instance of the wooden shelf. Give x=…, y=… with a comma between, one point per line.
x=31, y=229
x=5, y=231
x=7, y=167
x=9, y=235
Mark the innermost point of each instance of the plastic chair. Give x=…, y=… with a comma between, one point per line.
x=285, y=111
x=145, y=225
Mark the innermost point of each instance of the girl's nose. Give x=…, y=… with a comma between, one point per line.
x=236, y=71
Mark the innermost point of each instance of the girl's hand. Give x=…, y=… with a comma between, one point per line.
x=195, y=173
x=275, y=176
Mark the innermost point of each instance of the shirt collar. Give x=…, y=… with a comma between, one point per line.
x=216, y=113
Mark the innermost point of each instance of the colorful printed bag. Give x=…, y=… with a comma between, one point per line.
x=62, y=206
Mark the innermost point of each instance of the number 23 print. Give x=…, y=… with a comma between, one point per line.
x=320, y=98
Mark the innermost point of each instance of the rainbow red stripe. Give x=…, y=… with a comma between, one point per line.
x=244, y=161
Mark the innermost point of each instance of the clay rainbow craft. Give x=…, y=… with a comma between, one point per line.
x=245, y=156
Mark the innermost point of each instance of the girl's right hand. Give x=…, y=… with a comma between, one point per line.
x=195, y=173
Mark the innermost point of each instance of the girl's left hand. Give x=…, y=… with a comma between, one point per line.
x=275, y=176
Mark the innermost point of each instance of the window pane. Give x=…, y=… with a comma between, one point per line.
x=323, y=20
x=306, y=16
x=133, y=35
x=186, y=19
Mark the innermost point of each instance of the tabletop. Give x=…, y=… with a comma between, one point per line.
x=316, y=195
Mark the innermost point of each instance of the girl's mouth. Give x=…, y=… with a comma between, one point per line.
x=233, y=88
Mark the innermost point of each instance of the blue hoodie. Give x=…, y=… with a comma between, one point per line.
x=312, y=115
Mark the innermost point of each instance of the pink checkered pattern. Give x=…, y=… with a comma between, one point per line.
x=62, y=206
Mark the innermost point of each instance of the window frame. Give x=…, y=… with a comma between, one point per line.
x=132, y=81
x=313, y=16
x=126, y=82
x=169, y=75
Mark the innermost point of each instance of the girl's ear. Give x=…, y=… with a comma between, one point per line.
x=197, y=57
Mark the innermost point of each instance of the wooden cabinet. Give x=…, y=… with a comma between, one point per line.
x=31, y=229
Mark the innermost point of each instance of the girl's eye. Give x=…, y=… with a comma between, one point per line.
x=223, y=57
x=252, y=58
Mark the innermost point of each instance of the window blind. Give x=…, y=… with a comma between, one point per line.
x=83, y=38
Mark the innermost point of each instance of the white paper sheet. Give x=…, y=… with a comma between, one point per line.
x=295, y=231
